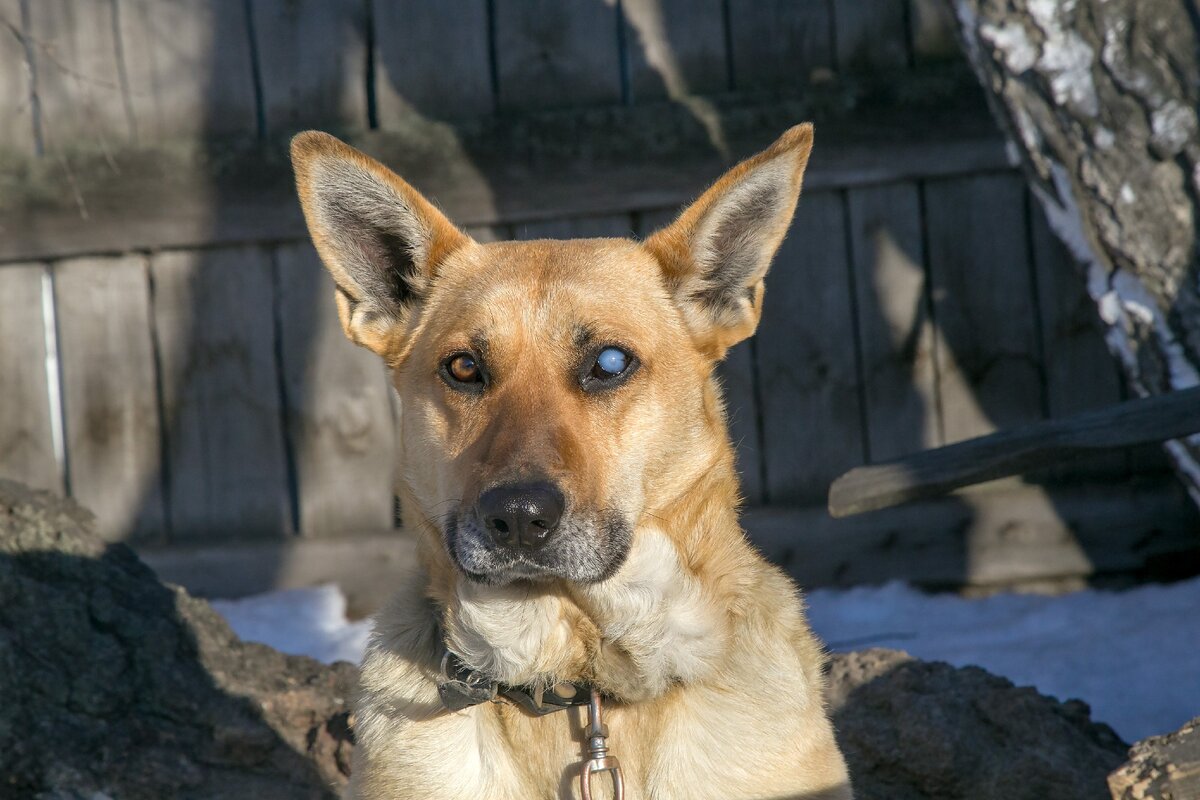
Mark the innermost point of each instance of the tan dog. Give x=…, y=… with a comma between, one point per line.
x=567, y=470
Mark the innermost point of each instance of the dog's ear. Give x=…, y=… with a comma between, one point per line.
x=380, y=239
x=715, y=255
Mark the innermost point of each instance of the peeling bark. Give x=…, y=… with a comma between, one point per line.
x=1099, y=98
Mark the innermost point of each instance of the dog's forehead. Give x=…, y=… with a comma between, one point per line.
x=554, y=284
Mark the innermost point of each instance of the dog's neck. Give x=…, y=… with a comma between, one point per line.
x=662, y=619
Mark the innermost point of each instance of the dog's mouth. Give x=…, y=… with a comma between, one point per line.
x=582, y=549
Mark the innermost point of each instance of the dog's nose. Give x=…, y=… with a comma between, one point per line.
x=522, y=514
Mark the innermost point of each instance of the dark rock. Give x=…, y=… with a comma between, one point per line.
x=113, y=684
x=1161, y=768
x=918, y=730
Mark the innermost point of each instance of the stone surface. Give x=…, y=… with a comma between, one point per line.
x=1161, y=768
x=115, y=685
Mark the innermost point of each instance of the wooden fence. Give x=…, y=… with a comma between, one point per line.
x=169, y=351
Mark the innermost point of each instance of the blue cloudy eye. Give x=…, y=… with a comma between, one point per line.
x=611, y=361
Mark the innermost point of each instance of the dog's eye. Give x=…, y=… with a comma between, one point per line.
x=609, y=368
x=462, y=371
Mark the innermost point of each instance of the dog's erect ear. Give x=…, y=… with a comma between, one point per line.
x=715, y=255
x=380, y=239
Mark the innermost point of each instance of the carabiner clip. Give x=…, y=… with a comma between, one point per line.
x=598, y=758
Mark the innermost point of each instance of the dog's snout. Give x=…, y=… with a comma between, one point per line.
x=522, y=514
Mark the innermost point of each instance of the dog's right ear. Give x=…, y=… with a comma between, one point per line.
x=380, y=239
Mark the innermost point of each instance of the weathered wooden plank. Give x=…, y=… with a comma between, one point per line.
x=737, y=376
x=311, y=58
x=675, y=48
x=227, y=466
x=431, y=60
x=989, y=372
x=812, y=426
x=110, y=401
x=16, y=90
x=189, y=67
x=895, y=331
x=604, y=225
x=78, y=75
x=871, y=35
x=1080, y=372
x=778, y=43
x=1011, y=452
x=339, y=417
x=551, y=54
x=933, y=34
x=27, y=451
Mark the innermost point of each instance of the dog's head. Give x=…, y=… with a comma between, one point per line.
x=553, y=393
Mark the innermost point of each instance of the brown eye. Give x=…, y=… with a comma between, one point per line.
x=462, y=368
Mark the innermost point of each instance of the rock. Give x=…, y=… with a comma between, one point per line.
x=916, y=730
x=114, y=685
x=1161, y=768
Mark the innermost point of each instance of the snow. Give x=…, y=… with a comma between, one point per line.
x=1133, y=656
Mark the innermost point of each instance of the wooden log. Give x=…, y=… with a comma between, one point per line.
x=109, y=394
x=1099, y=99
x=1010, y=452
x=30, y=401
x=227, y=466
x=339, y=416
x=552, y=55
x=311, y=59
x=807, y=365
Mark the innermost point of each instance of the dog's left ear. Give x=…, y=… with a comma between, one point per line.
x=715, y=255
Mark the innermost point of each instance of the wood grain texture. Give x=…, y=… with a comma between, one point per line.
x=871, y=35
x=431, y=59
x=26, y=436
x=16, y=90
x=110, y=403
x=737, y=377
x=1013, y=451
x=189, y=68
x=227, y=467
x=79, y=79
x=895, y=330
x=553, y=55
x=339, y=417
x=777, y=44
x=312, y=58
x=812, y=425
x=675, y=48
x=983, y=303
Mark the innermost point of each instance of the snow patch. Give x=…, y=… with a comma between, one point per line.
x=1012, y=41
x=304, y=622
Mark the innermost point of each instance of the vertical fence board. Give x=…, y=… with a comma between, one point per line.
x=551, y=54
x=871, y=34
x=988, y=360
x=577, y=227
x=675, y=48
x=109, y=396
x=933, y=31
x=312, y=57
x=26, y=434
x=1080, y=373
x=736, y=374
x=431, y=59
x=189, y=67
x=79, y=79
x=894, y=325
x=16, y=98
x=213, y=315
x=778, y=43
x=339, y=415
x=812, y=428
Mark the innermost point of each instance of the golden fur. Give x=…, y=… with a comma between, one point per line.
x=716, y=679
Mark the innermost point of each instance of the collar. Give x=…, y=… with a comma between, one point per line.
x=461, y=687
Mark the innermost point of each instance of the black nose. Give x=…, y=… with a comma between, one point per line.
x=521, y=514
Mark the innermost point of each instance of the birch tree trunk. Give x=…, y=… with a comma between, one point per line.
x=1099, y=98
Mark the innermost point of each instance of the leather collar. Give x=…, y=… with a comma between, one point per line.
x=461, y=687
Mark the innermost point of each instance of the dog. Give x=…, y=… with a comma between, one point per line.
x=587, y=618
